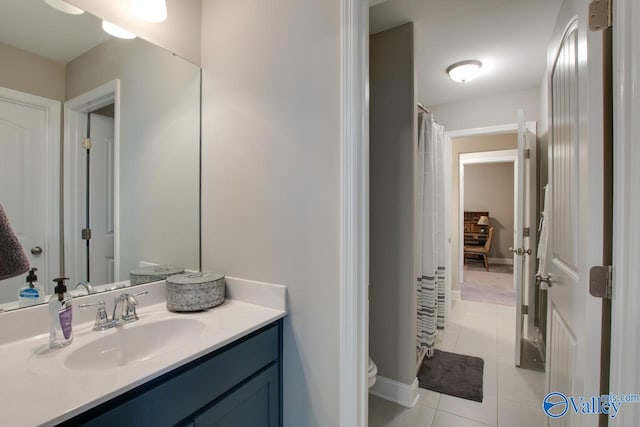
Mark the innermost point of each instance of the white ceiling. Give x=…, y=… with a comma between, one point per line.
x=510, y=37
x=34, y=26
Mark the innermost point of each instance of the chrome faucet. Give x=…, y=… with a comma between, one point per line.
x=128, y=304
x=87, y=286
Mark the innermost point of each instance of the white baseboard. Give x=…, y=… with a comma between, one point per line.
x=455, y=295
x=396, y=392
x=503, y=261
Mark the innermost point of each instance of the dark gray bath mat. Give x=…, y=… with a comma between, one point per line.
x=453, y=374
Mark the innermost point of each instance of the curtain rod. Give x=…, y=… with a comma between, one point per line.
x=423, y=108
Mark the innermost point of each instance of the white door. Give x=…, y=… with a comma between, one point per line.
x=101, y=199
x=524, y=218
x=29, y=150
x=575, y=219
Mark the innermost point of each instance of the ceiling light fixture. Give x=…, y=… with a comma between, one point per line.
x=116, y=31
x=150, y=10
x=464, y=71
x=65, y=7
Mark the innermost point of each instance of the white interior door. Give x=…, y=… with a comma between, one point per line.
x=101, y=201
x=28, y=147
x=518, y=239
x=524, y=256
x=575, y=219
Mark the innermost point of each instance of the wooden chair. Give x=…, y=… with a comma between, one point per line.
x=481, y=250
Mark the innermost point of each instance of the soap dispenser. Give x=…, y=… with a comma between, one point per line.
x=32, y=293
x=60, y=315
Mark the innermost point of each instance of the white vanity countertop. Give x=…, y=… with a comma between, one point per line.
x=38, y=389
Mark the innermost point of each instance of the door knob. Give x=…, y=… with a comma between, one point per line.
x=520, y=251
x=36, y=250
x=543, y=281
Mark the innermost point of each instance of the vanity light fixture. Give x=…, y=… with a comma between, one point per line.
x=464, y=71
x=65, y=7
x=116, y=31
x=150, y=10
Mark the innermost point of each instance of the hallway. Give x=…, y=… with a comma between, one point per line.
x=512, y=396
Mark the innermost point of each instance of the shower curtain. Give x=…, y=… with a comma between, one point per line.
x=431, y=233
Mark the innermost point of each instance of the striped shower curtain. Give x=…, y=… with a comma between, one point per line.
x=431, y=233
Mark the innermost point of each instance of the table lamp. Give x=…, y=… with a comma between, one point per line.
x=483, y=222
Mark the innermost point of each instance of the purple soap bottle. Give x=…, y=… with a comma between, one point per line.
x=60, y=315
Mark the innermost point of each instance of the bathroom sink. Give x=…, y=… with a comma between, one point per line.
x=134, y=343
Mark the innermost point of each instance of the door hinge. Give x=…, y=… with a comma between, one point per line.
x=527, y=153
x=86, y=143
x=601, y=281
x=526, y=232
x=525, y=309
x=600, y=15
x=86, y=234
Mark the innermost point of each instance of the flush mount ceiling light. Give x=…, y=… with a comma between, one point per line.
x=65, y=7
x=116, y=31
x=150, y=10
x=464, y=71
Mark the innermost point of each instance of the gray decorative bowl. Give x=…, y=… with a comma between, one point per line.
x=153, y=273
x=195, y=291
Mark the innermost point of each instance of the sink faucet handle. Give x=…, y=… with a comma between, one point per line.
x=102, y=318
x=130, y=302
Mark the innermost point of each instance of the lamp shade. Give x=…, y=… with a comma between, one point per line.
x=484, y=220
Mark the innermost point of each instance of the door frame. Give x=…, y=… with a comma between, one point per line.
x=625, y=325
x=530, y=126
x=75, y=125
x=53, y=258
x=354, y=214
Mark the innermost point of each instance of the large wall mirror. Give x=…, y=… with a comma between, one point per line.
x=99, y=149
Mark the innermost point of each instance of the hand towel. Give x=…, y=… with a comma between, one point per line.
x=13, y=259
x=544, y=232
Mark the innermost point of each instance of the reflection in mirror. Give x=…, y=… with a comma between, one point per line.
x=99, y=149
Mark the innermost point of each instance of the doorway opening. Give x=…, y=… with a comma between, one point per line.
x=487, y=206
x=91, y=153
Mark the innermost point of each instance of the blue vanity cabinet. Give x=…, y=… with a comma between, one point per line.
x=238, y=385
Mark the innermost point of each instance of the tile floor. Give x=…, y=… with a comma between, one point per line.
x=512, y=396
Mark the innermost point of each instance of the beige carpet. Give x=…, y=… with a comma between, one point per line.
x=494, y=286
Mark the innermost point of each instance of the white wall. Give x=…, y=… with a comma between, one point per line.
x=180, y=33
x=270, y=176
x=493, y=110
x=159, y=148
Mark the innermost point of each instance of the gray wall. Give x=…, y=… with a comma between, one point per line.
x=393, y=132
x=489, y=187
x=271, y=176
x=159, y=148
x=180, y=33
x=26, y=72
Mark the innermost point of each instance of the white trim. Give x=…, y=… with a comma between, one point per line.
x=456, y=295
x=625, y=327
x=354, y=214
x=53, y=248
x=396, y=392
x=74, y=130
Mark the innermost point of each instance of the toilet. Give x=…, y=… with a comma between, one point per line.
x=373, y=371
